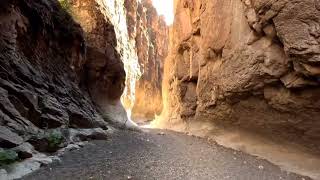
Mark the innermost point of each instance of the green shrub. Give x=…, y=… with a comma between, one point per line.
x=55, y=139
x=7, y=157
x=65, y=5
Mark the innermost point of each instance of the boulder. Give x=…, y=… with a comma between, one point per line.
x=25, y=150
x=9, y=139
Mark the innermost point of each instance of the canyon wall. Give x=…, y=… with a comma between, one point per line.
x=44, y=62
x=150, y=33
x=141, y=40
x=252, y=64
x=113, y=67
x=68, y=63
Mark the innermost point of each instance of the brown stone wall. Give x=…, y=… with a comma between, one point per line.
x=150, y=33
x=42, y=59
x=251, y=64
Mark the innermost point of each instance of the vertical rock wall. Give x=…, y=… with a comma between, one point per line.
x=150, y=33
x=139, y=36
x=42, y=55
x=104, y=73
x=252, y=64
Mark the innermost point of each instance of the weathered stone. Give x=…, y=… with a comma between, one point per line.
x=54, y=71
x=151, y=36
x=3, y=174
x=19, y=170
x=25, y=150
x=294, y=80
x=77, y=135
x=258, y=68
x=9, y=139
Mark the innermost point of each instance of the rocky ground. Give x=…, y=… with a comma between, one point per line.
x=159, y=155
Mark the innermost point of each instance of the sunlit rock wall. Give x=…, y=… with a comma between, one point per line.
x=250, y=64
x=106, y=29
x=150, y=33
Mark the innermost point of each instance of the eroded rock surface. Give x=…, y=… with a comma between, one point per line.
x=56, y=74
x=250, y=64
x=43, y=52
x=150, y=33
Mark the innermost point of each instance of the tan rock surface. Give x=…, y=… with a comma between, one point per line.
x=150, y=33
x=250, y=64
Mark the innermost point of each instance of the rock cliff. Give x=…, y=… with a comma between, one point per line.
x=42, y=54
x=252, y=64
x=150, y=33
x=112, y=68
x=69, y=64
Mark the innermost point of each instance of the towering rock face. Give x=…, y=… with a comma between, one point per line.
x=140, y=37
x=110, y=56
x=245, y=63
x=150, y=33
x=42, y=60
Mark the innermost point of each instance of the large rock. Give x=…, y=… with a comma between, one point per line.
x=250, y=64
x=9, y=139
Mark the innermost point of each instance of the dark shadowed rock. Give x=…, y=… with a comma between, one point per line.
x=9, y=139
x=25, y=150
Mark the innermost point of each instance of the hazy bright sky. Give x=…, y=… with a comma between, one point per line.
x=165, y=7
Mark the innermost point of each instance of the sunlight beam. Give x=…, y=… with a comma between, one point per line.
x=165, y=8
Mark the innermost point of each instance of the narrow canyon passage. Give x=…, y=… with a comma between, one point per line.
x=161, y=155
x=160, y=89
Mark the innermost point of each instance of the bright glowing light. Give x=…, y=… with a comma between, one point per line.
x=165, y=7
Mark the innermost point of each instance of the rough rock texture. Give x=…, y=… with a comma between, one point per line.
x=104, y=73
x=42, y=54
x=117, y=13
x=56, y=73
x=150, y=33
x=247, y=63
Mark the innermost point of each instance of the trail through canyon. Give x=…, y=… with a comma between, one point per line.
x=240, y=74
x=162, y=155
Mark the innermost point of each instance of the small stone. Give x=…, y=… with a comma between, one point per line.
x=161, y=133
x=129, y=177
x=261, y=167
x=244, y=162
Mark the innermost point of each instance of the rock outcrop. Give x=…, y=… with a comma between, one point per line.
x=61, y=68
x=252, y=64
x=104, y=73
x=150, y=33
x=42, y=54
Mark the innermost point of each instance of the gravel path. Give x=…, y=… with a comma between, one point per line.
x=154, y=155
